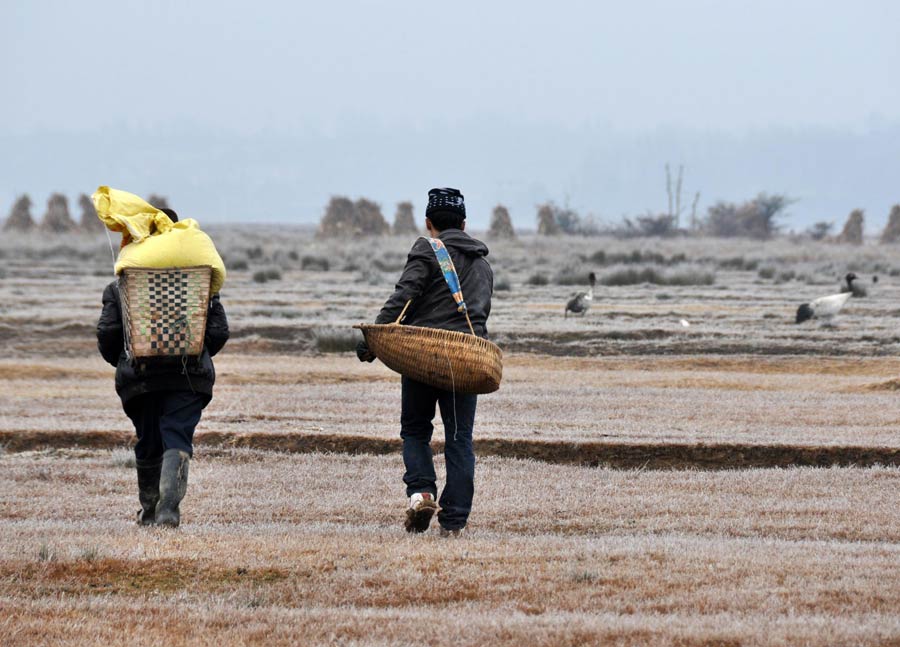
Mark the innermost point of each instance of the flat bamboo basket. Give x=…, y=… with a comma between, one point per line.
x=164, y=310
x=446, y=359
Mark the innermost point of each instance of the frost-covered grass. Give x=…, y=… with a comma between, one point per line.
x=739, y=296
x=802, y=401
x=311, y=549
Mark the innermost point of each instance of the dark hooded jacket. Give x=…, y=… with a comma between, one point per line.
x=423, y=282
x=197, y=375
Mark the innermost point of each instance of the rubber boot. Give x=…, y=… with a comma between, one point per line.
x=148, y=490
x=172, y=487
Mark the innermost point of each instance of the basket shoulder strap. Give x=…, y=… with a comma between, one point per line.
x=451, y=277
x=449, y=272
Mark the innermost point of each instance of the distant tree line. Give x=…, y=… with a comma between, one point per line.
x=57, y=219
x=757, y=218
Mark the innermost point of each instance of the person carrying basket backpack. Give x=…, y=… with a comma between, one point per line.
x=164, y=401
x=423, y=291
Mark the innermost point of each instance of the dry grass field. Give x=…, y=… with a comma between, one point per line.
x=732, y=482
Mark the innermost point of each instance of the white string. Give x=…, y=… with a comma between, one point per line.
x=452, y=391
x=111, y=250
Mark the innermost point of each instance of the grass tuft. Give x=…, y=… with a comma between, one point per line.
x=630, y=276
x=46, y=553
x=315, y=264
x=122, y=458
x=263, y=276
x=337, y=340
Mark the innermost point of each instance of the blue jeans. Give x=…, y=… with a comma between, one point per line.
x=165, y=420
x=458, y=414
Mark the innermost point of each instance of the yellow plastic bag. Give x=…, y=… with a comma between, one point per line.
x=150, y=239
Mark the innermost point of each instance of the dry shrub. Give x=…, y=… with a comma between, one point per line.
x=660, y=225
x=343, y=217
x=263, y=276
x=601, y=257
x=404, y=222
x=57, y=218
x=89, y=219
x=570, y=276
x=753, y=219
x=501, y=223
x=632, y=276
x=820, y=230
x=315, y=264
x=852, y=233
x=236, y=264
x=891, y=233
x=20, y=215
x=738, y=263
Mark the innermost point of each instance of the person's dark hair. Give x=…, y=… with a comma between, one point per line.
x=446, y=220
x=171, y=213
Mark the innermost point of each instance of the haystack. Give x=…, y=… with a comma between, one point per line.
x=89, y=219
x=346, y=218
x=852, y=233
x=891, y=233
x=20, y=216
x=547, y=224
x=371, y=220
x=501, y=223
x=404, y=222
x=57, y=218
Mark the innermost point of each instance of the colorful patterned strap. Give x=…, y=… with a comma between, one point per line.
x=450, y=275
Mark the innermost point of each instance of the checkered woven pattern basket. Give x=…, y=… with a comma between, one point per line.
x=446, y=359
x=165, y=310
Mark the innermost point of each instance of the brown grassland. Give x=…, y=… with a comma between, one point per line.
x=732, y=482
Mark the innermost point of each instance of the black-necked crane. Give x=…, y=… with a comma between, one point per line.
x=581, y=301
x=823, y=308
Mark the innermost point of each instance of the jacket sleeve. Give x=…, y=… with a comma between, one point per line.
x=216, y=326
x=110, y=336
x=412, y=283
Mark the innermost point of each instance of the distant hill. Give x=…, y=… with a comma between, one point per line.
x=271, y=177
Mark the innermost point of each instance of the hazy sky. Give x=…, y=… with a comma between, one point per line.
x=337, y=81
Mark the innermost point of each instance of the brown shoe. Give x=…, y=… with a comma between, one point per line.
x=452, y=534
x=420, y=511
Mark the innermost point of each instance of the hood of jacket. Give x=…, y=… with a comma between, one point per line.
x=461, y=241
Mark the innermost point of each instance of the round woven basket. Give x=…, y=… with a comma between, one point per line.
x=446, y=359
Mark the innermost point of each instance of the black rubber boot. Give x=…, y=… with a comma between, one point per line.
x=148, y=490
x=172, y=487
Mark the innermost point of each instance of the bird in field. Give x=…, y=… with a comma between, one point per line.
x=854, y=288
x=581, y=301
x=823, y=308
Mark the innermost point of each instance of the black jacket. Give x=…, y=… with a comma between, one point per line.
x=423, y=282
x=198, y=375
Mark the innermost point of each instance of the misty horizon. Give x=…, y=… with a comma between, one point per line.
x=262, y=115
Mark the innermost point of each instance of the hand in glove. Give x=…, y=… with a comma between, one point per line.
x=363, y=352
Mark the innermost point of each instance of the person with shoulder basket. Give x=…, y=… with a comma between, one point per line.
x=164, y=401
x=423, y=291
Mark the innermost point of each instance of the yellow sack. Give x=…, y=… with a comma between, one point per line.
x=150, y=239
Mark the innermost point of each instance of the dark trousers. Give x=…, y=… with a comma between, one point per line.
x=458, y=414
x=165, y=420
